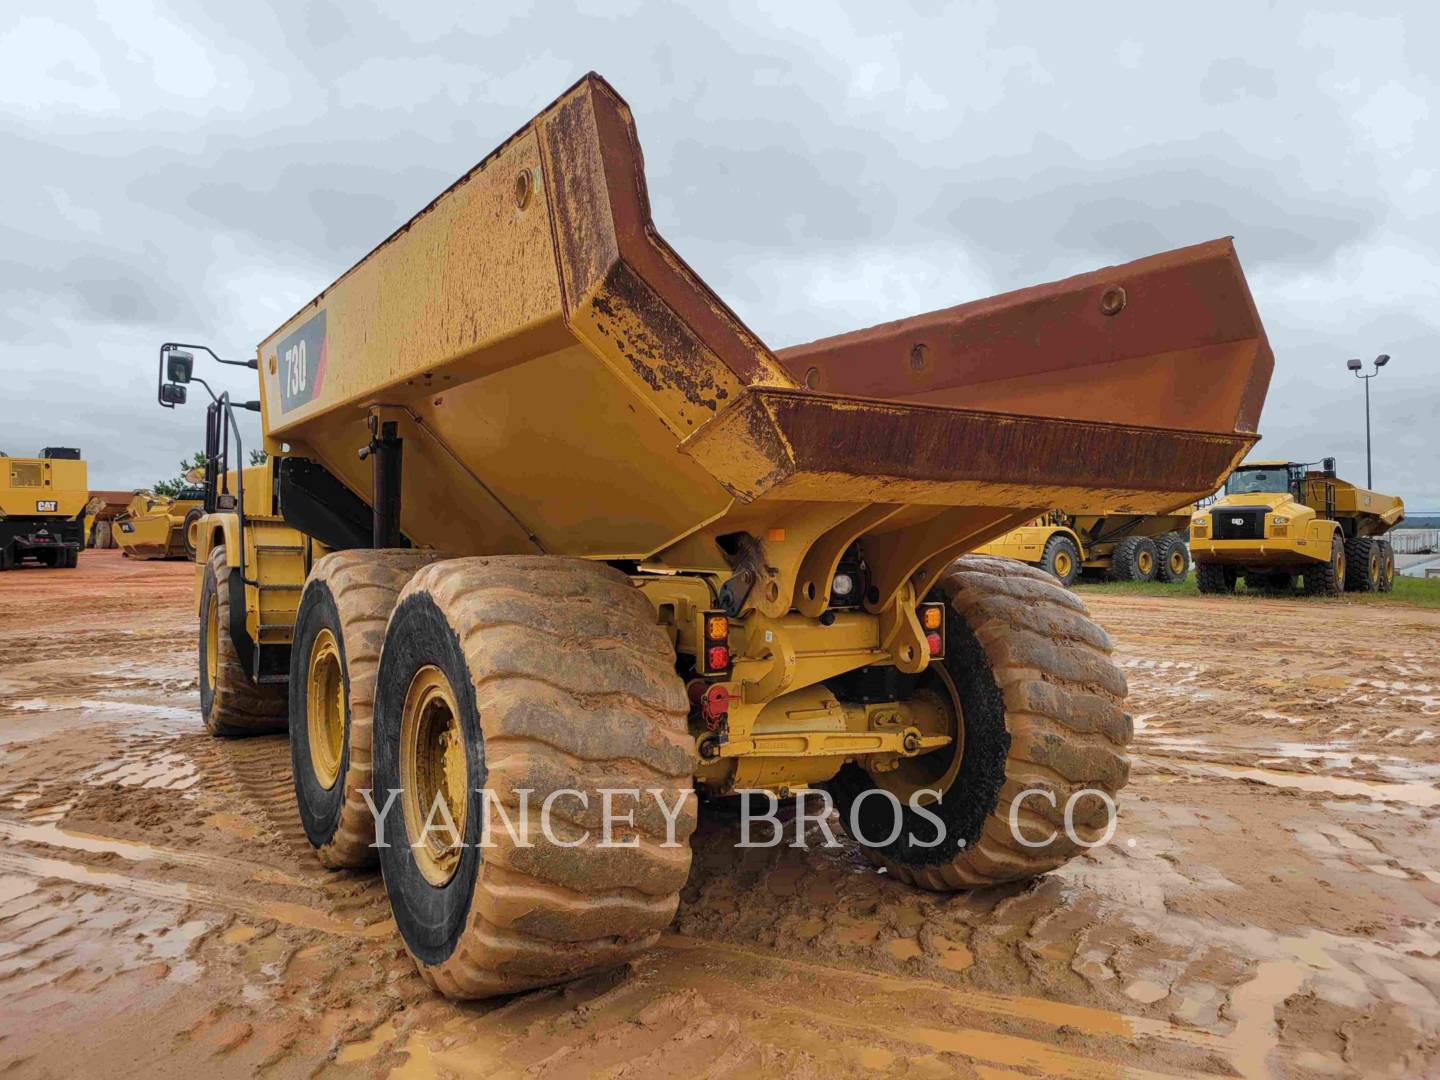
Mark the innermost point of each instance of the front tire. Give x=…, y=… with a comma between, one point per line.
x=529, y=674
x=230, y=703
x=1328, y=579
x=1215, y=579
x=1040, y=700
x=1061, y=559
x=1364, y=564
x=339, y=628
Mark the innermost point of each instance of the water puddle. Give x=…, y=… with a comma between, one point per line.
x=1417, y=794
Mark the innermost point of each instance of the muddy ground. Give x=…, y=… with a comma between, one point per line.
x=1269, y=906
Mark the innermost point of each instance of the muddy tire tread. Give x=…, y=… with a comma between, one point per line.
x=240, y=706
x=365, y=584
x=575, y=686
x=1062, y=696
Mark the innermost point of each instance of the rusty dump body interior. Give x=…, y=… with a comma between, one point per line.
x=565, y=384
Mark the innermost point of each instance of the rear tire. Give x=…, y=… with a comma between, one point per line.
x=1041, y=702
x=230, y=704
x=1215, y=579
x=1135, y=559
x=1174, y=558
x=1387, y=555
x=1364, y=564
x=339, y=628
x=543, y=674
x=1061, y=559
x=1328, y=579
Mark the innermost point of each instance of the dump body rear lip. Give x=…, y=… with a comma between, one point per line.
x=838, y=442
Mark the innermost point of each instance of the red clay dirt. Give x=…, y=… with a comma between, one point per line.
x=1269, y=906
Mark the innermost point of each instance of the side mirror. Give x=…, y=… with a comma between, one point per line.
x=1354, y=365
x=173, y=394
x=1382, y=360
x=1328, y=466
x=178, y=365
x=252, y=406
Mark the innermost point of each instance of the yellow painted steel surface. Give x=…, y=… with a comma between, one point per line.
x=564, y=383
x=42, y=487
x=1296, y=530
x=152, y=526
x=1094, y=535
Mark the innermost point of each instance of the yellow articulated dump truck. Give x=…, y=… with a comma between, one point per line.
x=1117, y=547
x=1279, y=520
x=42, y=508
x=157, y=526
x=548, y=541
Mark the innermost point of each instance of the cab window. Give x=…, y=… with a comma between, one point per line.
x=1250, y=481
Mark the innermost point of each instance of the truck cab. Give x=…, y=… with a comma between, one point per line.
x=1279, y=519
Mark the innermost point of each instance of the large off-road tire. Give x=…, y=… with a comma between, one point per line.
x=1135, y=559
x=195, y=514
x=1215, y=578
x=1328, y=578
x=1173, y=556
x=230, y=704
x=539, y=674
x=339, y=628
x=1061, y=559
x=1387, y=556
x=1364, y=564
x=1040, y=703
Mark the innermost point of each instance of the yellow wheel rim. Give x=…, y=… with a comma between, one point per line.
x=1144, y=563
x=325, y=708
x=1340, y=568
x=212, y=642
x=1177, y=561
x=434, y=775
x=1062, y=564
x=938, y=769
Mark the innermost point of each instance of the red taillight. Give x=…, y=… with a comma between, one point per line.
x=936, y=645
x=717, y=658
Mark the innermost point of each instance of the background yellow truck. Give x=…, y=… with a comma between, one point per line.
x=1281, y=519
x=543, y=518
x=42, y=508
x=157, y=526
x=1119, y=547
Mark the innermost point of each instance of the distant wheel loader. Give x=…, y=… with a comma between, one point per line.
x=43, y=502
x=158, y=526
x=1282, y=520
x=1111, y=547
x=543, y=521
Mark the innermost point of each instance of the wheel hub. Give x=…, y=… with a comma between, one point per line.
x=937, y=770
x=434, y=774
x=1143, y=562
x=1177, y=561
x=325, y=708
x=1062, y=565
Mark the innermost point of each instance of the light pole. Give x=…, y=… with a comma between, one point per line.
x=1355, y=366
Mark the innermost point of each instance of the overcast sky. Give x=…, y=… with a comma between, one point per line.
x=173, y=172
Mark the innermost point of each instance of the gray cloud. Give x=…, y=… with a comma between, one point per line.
x=197, y=171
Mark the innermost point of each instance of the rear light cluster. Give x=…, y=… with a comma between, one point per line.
x=932, y=622
x=715, y=644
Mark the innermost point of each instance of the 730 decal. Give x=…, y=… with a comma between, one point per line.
x=300, y=363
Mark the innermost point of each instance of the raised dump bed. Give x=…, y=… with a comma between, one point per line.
x=586, y=531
